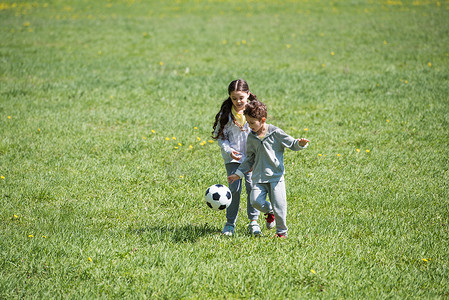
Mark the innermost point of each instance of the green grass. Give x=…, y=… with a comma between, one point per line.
x=96, y=203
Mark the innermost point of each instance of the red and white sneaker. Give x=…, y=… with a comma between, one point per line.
x=270, y=220
x=280, y=235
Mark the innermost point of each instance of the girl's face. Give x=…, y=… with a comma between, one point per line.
x=239, y=99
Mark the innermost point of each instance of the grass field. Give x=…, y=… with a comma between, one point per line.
x=106, y=110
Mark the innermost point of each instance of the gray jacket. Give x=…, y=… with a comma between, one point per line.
x=266, y=157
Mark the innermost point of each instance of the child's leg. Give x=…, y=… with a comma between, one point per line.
x=236, y=189
x=258, y=197
x=253, y=213
x=278, y=198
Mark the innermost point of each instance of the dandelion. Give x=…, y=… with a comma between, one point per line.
x=90, y=259
x=196, y=128
x=30, y=236
x=179, y=144
x=167, y=138
x=174, y=138
x=385, y=42
x=288, y=46
x=198, y=138
x=306, y=129
x=244, y=42
x=425, y=260
x=358, y=150
x=429, y=64
x=224, y=42
x=176, y=148
x=9, y=117
x=153, y=131
x=26, y=24
x=313, y=271
x=161, y=63
x=320, y=154
x=323, y=65
x=338, y=154
x=388, y=121
x=16, y=216
x=99, y=52
x=210, y=141
x=44, y=236
x=332, y=53
x=181, y=177
x=2, y=177
x=190, y=147
x=367, y=150
x=144, y=137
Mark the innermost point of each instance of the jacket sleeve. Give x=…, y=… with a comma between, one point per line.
x=248, y=163
x=287, y=141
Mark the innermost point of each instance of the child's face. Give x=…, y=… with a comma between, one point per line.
x=239, y=99
x=256, y=125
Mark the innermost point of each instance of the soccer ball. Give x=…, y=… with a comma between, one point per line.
x=218, y=197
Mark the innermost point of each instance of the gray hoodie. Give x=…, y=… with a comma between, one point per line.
x=266, y=156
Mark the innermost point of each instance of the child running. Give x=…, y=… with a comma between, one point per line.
x=231, y=131
x=265, y=157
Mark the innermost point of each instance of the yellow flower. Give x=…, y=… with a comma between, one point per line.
x=367, y=150
x=338, y=154
x=358, y=150
x=90, y=259
x=190, y=146
x=306, y=129
x=210, y=141
x=161, y=63
x=26, y=24
x=313, y=271
x=320, y=155
x=288, y=46
x=144, y=137
x=176, y=148
x=174, y=138
x=9, y=117
x=388, y=121
x=429, y=64
x=198, y=138
x=385, y=42
x=181, y=176
x=44, y=236
x=152, y=131
x=2, y=177
x=179, y=144
x=16, y=216
x=167, y=138
x=195, y=128
x=30, y=236
x=332, y=53
x=424, y=259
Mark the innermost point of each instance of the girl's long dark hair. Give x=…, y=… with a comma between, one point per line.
x=222, y=117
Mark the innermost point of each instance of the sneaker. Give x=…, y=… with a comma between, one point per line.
x=228, y=230
x=270, y=220
x=280, y=235
x=254, y=228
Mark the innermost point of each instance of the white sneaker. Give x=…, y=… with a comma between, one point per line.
x=254, y=228
x=228, y=230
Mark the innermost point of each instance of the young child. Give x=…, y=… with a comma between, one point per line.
x=265, y=157
x=231, y=130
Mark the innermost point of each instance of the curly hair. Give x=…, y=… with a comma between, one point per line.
x=255, y=109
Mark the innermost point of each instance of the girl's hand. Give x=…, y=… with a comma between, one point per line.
x=303, y=142
x=236, y=155
x=232, y=178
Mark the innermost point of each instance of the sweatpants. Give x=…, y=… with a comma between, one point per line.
x=236, y=190
x=278, y=198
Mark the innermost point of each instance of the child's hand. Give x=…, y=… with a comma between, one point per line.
x=303, y=142
x=236, y=155
x=232, y=178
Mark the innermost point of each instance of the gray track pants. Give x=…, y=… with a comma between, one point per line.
x=278, y=198
x=236, y=190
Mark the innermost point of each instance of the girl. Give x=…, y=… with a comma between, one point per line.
x=231, y=131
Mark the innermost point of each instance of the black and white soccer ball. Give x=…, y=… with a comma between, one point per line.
x=218, y=197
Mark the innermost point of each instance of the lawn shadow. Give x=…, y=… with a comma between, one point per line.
x=179, y=234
